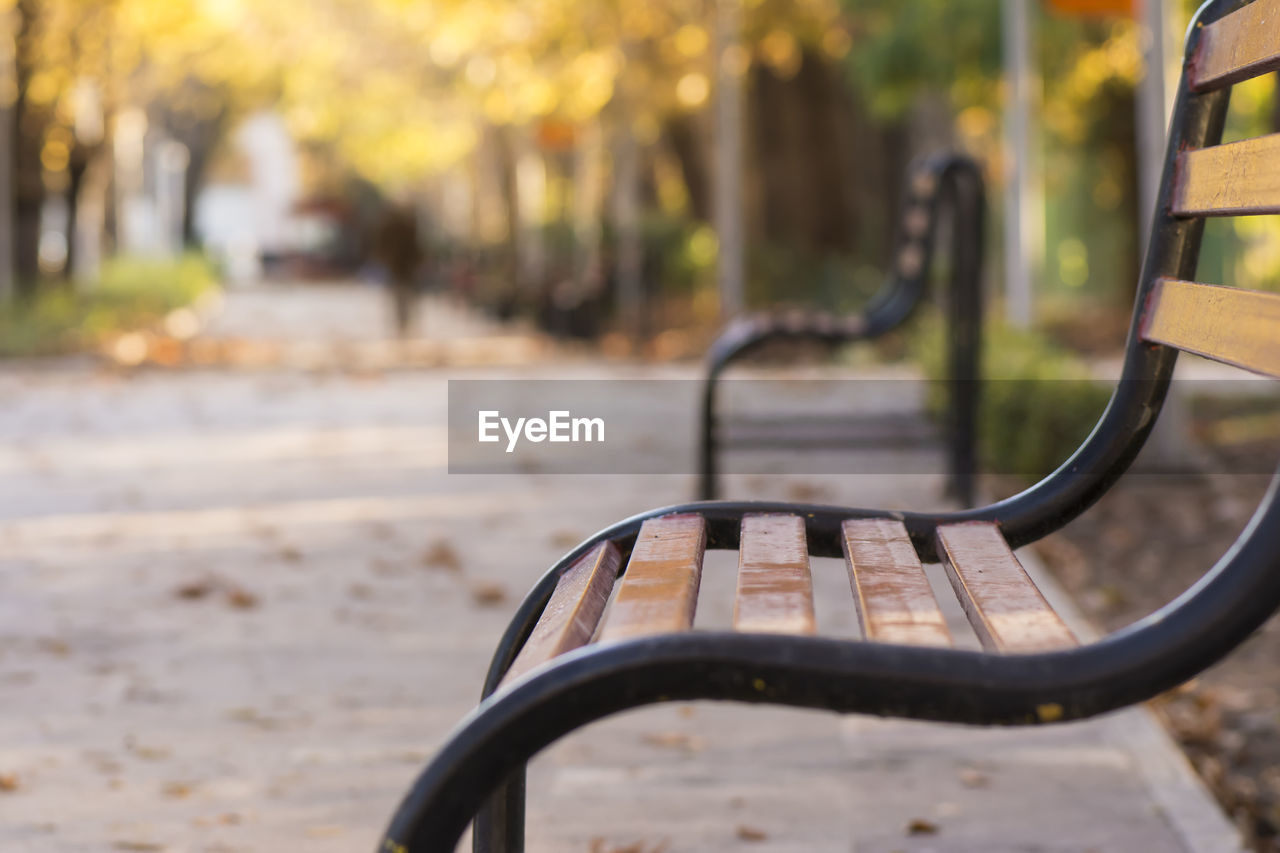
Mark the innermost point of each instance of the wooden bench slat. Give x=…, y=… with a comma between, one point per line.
x=572, y=614
x=1003, y=604
x=1238, y=178
x=1238, y=46
x=775, y=588
x=659, y=590
x=1222, y=323
x=895, y=603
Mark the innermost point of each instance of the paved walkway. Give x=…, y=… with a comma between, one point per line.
x=239, y=609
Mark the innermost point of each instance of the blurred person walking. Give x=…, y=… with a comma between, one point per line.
x=396, y=247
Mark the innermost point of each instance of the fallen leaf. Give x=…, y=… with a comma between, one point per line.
x=920, y=826
x=440, y=555
x=488, y=593
x=601, y=845
x=9, y=782
x=675, y=740
x=195, y=590
x=241, y=598
x=152, y=753
x=750, y=833
x=55, y=646
x=289, y=554
x=971, y=778
x=177, y=790
x=807, y=493
x=253, y=717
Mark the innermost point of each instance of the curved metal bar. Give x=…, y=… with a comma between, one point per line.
x=1236, y=596
x=944, y=177
x=1233, y=599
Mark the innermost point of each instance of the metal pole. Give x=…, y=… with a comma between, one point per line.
x=1150, y=108
x=8, y=74
x=1023, y=219
x=730, y=223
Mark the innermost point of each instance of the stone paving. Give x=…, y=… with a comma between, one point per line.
x=240, y=609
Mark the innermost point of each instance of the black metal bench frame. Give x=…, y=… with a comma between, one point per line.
x=942, y=183
x=480, y=770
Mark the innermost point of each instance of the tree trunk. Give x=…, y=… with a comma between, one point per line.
x=201, y=137
x=689, y=144
x=28, y=128
x=510, y=190
x=826, y=176
x=76, y=168
x=87, y=233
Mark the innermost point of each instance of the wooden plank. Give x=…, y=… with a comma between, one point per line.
x=1238, y=46
x=1006, y=610
x=659, y=590
x=572, y=614
x=775, y=589
x=1239, y=327
x=894, y=600
x=1235, y=179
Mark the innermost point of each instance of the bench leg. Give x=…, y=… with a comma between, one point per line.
x=965, y=305
x=708, y=482
x=499, y=825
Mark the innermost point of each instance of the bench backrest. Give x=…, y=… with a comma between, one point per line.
x=1230, y=41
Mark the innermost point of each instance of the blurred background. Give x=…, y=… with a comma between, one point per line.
x=246, y=244
x=629, y=173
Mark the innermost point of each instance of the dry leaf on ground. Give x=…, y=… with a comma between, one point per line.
x=441, y=555
x=177, y=790
x=601, y=845
x=920, y=826
x=195, y=589
x=488, y=593
x=675, y=740
x=241, y=598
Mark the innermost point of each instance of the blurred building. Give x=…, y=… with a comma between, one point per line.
x=245, y=215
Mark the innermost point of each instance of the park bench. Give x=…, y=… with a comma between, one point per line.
x=560, y=665
x=944, y=183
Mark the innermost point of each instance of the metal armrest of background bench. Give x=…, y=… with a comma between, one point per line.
x=942, y=180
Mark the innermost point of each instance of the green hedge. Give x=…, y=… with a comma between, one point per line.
x=1038, y=400
x=130, y=293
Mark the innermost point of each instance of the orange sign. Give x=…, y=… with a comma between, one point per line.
x=556, y=135
x=1095, y=8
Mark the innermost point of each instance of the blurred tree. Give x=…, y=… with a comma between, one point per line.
x=908, y=48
